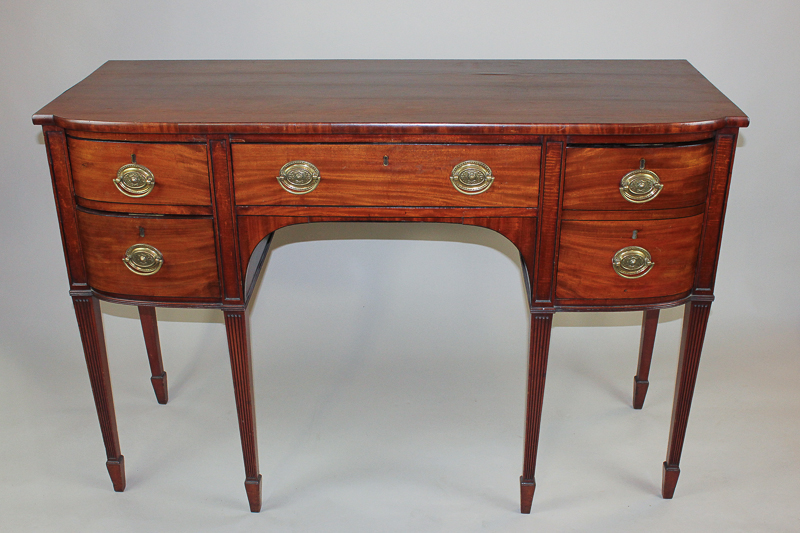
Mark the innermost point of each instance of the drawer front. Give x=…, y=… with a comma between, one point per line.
x=189, y=266
x=594, y=174
x=386, y=174
x=179, y=172
x=588, y=247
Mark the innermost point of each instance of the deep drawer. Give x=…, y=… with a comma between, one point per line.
x=588, y=247
x=593, y=176
x=187, y=247
x=386, y=174
x=179, y=172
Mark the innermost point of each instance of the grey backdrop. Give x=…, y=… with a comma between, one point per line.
x=390, y=359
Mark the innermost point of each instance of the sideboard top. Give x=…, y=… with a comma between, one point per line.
x=394, y=96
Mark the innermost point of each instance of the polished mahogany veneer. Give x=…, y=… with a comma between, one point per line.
x=586, y=245
x=187, y=245
x=610, y=177
x=182, y=171
x=592, y=175
x=387, y=174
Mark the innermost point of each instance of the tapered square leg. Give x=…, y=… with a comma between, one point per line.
x=537, y=369
x=646, y=343
x=237, y=328
x=116, y=469
x=526, y=489
x=695, y=319
x=90, y=323
x=147, y=316
x=669, y=478
x=253, y=489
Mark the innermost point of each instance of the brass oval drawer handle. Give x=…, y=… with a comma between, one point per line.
x=640, y=186
x=299, y=177
x=134, y=180
x=632, y=262
x=143, y=259
x=471, y=177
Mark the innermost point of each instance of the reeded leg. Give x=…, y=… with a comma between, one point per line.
x=147, y=315
x=537, y=369
x=648, y=339
x=695, y=318
x=90, y=322
x=237, y=328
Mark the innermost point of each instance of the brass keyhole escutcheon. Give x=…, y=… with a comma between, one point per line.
x=632, y=262
x=299, y=177
x=143, y=259
x=471, y=177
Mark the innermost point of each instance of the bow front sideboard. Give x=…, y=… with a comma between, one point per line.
x=610, y=177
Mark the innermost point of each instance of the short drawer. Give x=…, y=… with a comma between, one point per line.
x=388, y=174
x=102, y=171
x=588, y=249
x=594, y=175
x=186, y=247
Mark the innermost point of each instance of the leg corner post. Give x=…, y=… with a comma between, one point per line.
x=541, y=323
x=695, y=319
x=646, y=344
x=90, y=324
x=237, y=329
x=147, y=316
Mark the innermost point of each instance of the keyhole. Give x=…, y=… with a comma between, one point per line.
x=642, y=164
x=141, y=231
x=386, y=160
x=133, y=158
x=635, y=234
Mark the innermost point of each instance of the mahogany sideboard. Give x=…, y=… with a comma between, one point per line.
x=610, y=177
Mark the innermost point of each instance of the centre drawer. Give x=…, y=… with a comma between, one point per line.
x=121, y=253
x=387, y=174
x=143, y=173
x=655, y=258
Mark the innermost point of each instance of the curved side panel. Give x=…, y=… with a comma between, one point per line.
x=521, y=231
x=253, y=229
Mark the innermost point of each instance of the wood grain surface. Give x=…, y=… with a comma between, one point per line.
x=369, y=97
x=386, y=174
x=593, y=174
x=180, y=171
x=587, y=247
x=187, y=244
